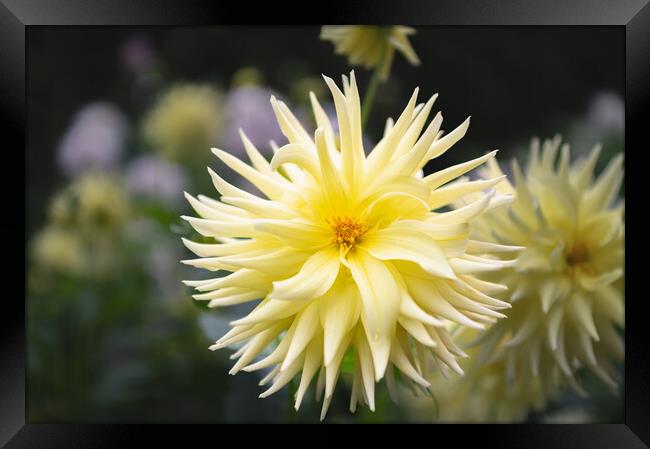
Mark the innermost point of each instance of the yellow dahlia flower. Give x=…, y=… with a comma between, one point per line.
x=185, y=120
x=566, y=286
x=346, y=252
x=370, y=46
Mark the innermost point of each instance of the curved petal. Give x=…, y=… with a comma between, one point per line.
x=401, y=243
x=339, y=312
x=380, y=293
x=313, y=280
x=297, y=154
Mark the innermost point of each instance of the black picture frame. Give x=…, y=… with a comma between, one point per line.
x=17, y=16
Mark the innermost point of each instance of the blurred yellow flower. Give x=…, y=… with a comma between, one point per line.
x=102, y=203
x=347, y=253
x=247, y=76
x=371, y=46
x=566, y=287
x=61, y=209
x=185, y=121
x=86, y=220
x=58, y=250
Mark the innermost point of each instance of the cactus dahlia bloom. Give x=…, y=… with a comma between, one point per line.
x=566, y=287
x=346, y=252
x=370, y=46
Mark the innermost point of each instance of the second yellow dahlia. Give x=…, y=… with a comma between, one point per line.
x=566, y=287
x=347, y=252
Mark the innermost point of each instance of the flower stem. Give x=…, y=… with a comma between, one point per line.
x=370, y=96
x=375, y=80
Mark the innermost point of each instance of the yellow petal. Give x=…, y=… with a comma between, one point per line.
x=339, y=312
x=379, y=291
x=312, y=281
x=399, y=242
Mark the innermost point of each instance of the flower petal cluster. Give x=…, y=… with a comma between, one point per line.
x=351, y=255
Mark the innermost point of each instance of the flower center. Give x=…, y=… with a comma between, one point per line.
x=347, y=232
x=578, y=255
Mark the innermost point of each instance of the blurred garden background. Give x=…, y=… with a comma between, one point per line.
x=120, y=124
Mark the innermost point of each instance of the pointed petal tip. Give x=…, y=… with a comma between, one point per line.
x=219, y=153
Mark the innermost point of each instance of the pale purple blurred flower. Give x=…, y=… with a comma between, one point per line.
x=137, y=53
x=155, y=178
x=606, y=112
x=249, y=108
x=95, y=139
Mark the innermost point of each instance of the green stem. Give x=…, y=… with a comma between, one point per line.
x=375, y=80
x=370, y=96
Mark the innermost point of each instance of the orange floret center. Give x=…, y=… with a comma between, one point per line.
x=347, y=232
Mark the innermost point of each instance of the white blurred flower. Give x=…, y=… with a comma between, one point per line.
x=603, y=120
x=248, y=108
x=95, y=140
x=162, y=267
x=155, y=178
x=606, y=112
